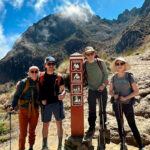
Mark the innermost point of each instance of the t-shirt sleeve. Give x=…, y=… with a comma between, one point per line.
x=132, y=79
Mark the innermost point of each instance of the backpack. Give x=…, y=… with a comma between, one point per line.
x=57, y=81
x=30, y=102
x=128, y=78
x=100, y=66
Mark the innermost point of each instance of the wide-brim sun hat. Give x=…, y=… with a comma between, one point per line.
x=89, y=49
x=114, y=68
x=33, y=68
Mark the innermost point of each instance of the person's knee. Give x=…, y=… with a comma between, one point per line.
x=46, y=125
x=23, y=135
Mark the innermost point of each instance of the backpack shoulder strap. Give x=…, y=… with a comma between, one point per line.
x=100, y=65
x=26, y=86
x=128, y=77
x=41, y=79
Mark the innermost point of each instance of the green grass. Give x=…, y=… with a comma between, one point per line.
x=4, y=128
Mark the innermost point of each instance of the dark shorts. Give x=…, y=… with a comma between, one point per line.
x=55, y=108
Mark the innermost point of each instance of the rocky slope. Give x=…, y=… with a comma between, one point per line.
x=137, y=33
x=141, y=69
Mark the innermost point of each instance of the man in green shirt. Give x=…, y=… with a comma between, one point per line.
x=95, y=72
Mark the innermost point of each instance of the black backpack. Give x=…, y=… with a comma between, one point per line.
x=128, y=77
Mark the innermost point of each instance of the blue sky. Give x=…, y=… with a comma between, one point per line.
x=17, y=15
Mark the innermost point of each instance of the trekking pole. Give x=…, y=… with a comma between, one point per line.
x=10, y=128
x=124, y=147
x=101, y=137
x=60, y=122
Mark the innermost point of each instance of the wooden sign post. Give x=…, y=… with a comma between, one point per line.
x=76, y=83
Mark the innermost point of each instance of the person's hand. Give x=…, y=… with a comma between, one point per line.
x=123, y=98
x=44, y=102
x=101, y=88
x=116, y=96
x=9, y=110
x=61, y=96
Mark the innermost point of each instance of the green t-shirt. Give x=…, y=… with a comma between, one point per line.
x=95, y=75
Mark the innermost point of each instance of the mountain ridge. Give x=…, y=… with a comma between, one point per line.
x=67, y=32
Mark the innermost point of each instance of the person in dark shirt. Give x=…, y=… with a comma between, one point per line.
x=52, y=92
x=27, y=98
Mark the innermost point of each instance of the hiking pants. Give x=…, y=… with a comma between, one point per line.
x=129, y=114
x=92, y=96
x=24, y=121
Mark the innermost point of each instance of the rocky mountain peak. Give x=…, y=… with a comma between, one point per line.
x=146, y=7
x=127, y=15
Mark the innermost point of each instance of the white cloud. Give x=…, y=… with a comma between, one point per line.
x=4, y=48
x=73, y=11
x=1, y=5
x=15, y=3
x=39, y=4
x=6, y=42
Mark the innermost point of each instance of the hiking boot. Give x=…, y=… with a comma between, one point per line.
x=141, y=148
x=31, y=148
x=45, y=148
x=60, y=148
x=89, y=133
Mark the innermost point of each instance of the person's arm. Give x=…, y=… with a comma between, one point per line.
x=42, y=96
x=111, y=91
x=62, y=91
x=17, y=95
x=133, y=94
x=105, y=78
x=105, y=73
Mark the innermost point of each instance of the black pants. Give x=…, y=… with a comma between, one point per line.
x=129, y=114
x=92, y=96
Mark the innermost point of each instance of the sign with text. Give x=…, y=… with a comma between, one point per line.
x=76, y=84
x=76, y=89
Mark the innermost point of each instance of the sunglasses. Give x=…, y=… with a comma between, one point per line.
x=50, y=64
x=90, y=54
x=34, y=71
x=120, y=64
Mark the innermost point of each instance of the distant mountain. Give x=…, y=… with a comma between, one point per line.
x=66, y=32
x=137, y=33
